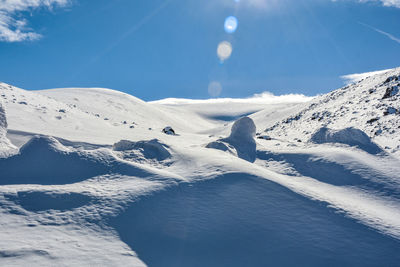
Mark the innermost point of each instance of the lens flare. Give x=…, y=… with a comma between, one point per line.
x=224, y=50
x=214, y=89
x=230, y=24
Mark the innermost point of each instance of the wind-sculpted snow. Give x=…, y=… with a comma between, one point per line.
x=96, y=181
x=240, y=220
x=349, y=136
x=44, y=160
x=241, y=140
x=42, y=201
x=152, y=151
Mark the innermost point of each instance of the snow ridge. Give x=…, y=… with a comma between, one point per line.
x=371, y=105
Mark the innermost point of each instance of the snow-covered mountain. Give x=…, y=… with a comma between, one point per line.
x=99, y=177
x=371, y=105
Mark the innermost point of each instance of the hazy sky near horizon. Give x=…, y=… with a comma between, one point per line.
x=168, y=48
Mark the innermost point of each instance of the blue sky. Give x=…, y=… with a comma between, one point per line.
x=157, y=49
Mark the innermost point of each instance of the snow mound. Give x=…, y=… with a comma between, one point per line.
x=218, y=145
x=349, y=136
x=151, y=149
x=44, y=160
x=243, y=130
x=241, y=140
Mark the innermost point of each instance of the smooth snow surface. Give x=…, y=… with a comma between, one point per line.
x=89, y=178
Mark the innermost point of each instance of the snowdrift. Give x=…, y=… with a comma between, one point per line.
x=241, y=140
x=240, y=220
x=96, y=180
x=44, y=160
x=348, y=136
x=142, y=150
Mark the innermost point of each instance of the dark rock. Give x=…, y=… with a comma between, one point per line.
x=391, y=78
x=391, y=91
x=390, y=110
x=372, y=120
x=169, y=130
x=265, y=137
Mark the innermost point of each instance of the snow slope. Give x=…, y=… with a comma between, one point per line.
x=371, y=105
x=5, y=146
x=95, y=181
x=3, y=128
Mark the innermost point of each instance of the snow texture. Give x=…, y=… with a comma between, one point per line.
x=366, y=105
x=5, y=146
x=241, y=140
x=151, y=149
x=96, y=182
x=349, y=136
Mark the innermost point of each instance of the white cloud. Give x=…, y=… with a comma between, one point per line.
x=13, y=28
x=268, y=3
x=390, y=36
x=393, y=3
x=263, y=98
x=388, y=3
